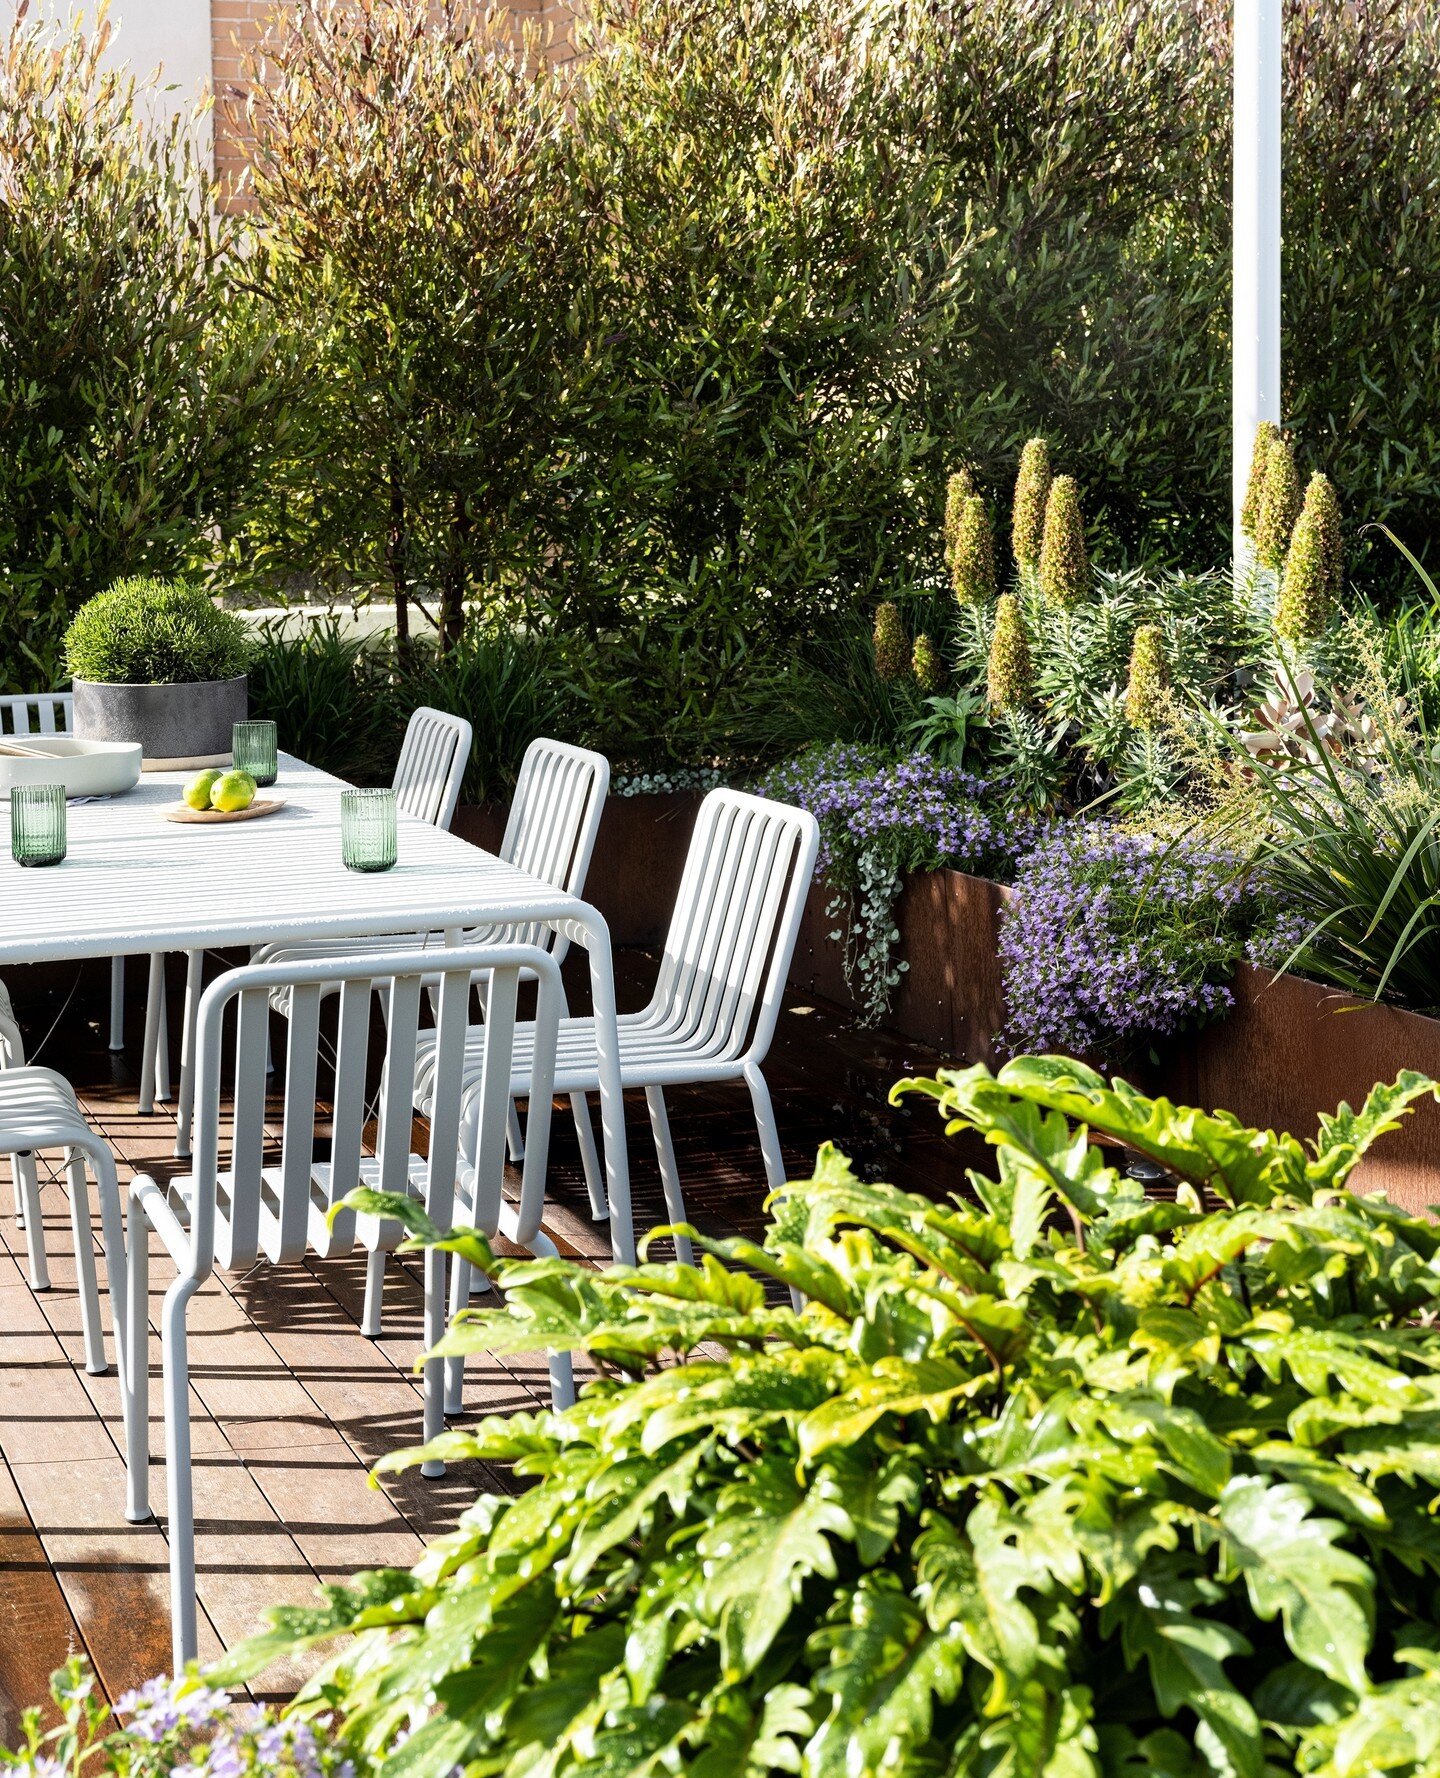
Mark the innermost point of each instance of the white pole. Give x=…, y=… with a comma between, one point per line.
x=1255, y=389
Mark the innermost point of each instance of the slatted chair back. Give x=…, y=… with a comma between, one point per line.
x=733, y=931
x=12, y=1044
x=554, y=818
x=431, y=766
x=37, y=713
x=252, y=1195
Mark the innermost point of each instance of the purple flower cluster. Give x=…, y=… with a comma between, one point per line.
x=164, y=1707
x=1115, y=941
x=929, y=814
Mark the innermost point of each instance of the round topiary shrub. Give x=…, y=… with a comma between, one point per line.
x=154, y=632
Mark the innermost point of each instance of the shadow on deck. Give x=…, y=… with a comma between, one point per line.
x=291, y=1405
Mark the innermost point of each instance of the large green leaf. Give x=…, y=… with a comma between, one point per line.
x=1292, y=1565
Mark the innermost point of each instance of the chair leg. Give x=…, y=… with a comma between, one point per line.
x=434, y=1422
x=27, y=1212
x=455, y=1367
x=374, y=1294
x=117, y=1003
x=85, y=1263
x=155, y=1045
x=162, y=1054
x=669, y=1171
x=769, y=1148
x=137, y=1366
x=513, y=1138
x=185, y=1108
x=180, y=1528
x=590, y=1157
x=560, y=1364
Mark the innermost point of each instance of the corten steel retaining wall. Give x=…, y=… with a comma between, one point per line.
x=1290, y=1049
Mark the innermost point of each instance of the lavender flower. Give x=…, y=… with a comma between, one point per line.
x=1113, y=942
x=164, y=1707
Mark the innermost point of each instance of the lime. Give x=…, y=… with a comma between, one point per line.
x=232, y=791
x=197, y=792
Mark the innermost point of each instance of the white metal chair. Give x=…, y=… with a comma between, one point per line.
x=428, y=776
x=38, y=1109
x=235, y=1211
x=53, y=713
x=549, y=833
x=717, y=997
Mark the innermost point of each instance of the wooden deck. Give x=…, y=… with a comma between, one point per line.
x=291, y=1404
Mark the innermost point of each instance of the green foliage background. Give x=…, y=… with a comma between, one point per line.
x=673, y=349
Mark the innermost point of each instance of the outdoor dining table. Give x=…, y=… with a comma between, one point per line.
x=134, y=882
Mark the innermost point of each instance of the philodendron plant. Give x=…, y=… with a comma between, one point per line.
x=1066, y=1480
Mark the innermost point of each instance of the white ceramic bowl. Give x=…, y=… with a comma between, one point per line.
x=85, y=768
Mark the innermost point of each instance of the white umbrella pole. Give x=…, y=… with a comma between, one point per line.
x=1256, y=224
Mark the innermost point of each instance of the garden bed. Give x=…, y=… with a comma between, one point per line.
x=1290, y=1049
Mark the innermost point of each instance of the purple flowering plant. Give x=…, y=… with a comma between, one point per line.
x=1114, y=941
x=169, y=1728
x=881, y=819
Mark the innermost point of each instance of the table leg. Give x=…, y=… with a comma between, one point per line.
x=594, y=934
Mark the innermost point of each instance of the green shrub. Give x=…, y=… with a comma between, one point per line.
x=142, y=386
x=1059, y=1482
x=154, y=632
x=330, y=694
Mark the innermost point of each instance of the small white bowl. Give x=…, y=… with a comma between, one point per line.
x=85, y=768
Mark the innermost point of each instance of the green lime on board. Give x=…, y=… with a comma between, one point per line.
x=232, y=791
x=197, y=792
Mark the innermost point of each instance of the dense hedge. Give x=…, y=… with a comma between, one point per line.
x=675, y=347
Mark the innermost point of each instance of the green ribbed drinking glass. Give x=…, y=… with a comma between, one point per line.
x=37, y=823
x=368, y=839
x=256, y=750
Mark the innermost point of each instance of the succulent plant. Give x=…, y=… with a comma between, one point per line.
x=1147, y=689
x=1032, y=486
x=927, y=666
x=1295, y=726
x=1064, y=568
x=958, y=489
x=1010, y=678
x=1323, y=505
x=972, y=560
x=892, y=646
x=1304, y=604
x=1279, y=503
x=1266, y=434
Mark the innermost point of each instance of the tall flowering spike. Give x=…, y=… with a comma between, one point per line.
x=1323, y=506
x=972, y=560
x=1010, y=679
x=1032, y=486
x=1149, y=682
x=1279, y=504
x=892, y=647
x=959, y=489
x=1266, y=433
x=926, y=665
x=1304, y=604
x=1064, y=567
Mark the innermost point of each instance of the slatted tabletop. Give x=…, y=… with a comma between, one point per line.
x=131, y=881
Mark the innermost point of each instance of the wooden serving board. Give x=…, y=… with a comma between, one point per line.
x=204, y=817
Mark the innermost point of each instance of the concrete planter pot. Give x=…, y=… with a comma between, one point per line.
x=177, y=726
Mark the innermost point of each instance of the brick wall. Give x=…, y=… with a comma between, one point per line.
x=238, y=25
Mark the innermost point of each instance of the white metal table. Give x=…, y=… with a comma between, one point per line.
x=134, y=882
